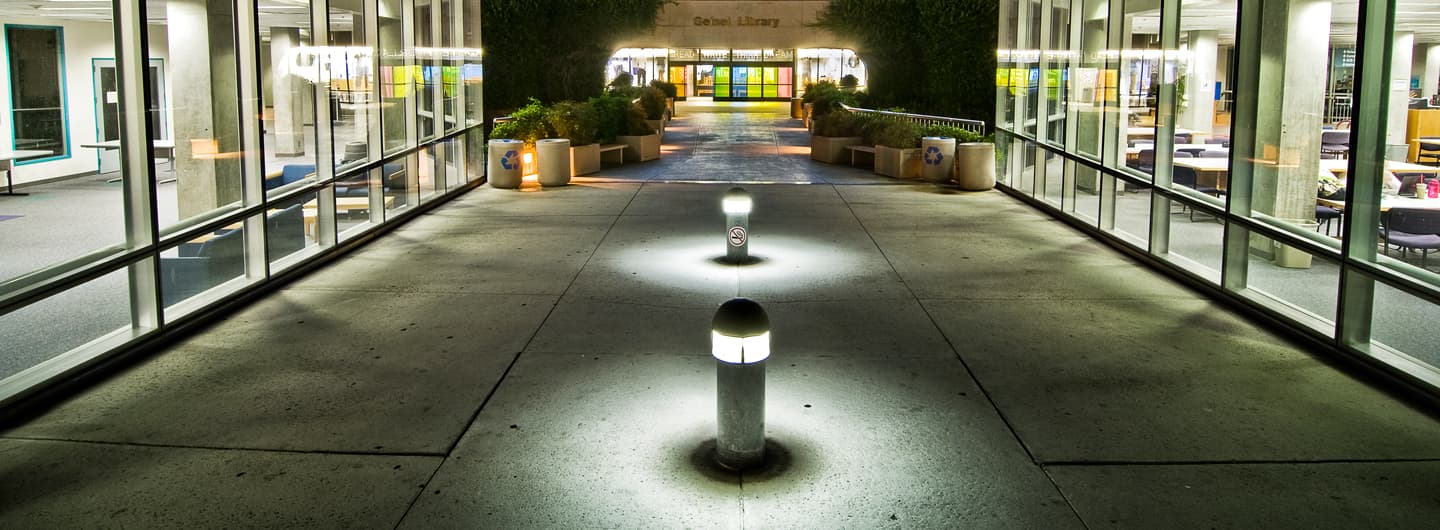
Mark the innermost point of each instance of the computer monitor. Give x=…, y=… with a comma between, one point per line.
x=1408, y=182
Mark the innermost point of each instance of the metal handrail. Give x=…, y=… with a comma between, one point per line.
x=975, y=126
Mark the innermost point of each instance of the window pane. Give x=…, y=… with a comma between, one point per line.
x=1299, y=284
x=60, y=323
x=428, y=69
x=1132, y=213
x=291, y=227
x=37, y=90
x=206, y=104
x=1092, y=81
x=1405, y=323
x=288, y=95
x=350, y=62
x=201, y=264
x=1196, y=241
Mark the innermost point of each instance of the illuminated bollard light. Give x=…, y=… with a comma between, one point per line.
x=740, y=342
x=737, y=205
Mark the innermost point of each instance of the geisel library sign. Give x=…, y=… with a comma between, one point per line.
x=738, y=24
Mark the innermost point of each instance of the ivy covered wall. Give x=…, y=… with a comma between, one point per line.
x=556, y=49
x=927, y=56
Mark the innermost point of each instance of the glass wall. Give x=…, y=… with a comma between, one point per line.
x=154, y=181
x=1215, y=136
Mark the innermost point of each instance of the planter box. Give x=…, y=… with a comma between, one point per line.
x=641, y=148
x=584, y=159
x=897, y=163
x=658, y=125
x=831, y=149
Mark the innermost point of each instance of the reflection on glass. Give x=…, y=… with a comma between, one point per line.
x=289, y=97
x=396, y=79
x=1298, y=281
x=1132, y=213
x=291, y=227
x=351, y=58
x=1405, y=323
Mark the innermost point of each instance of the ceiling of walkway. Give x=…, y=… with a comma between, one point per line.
x=1421, y=17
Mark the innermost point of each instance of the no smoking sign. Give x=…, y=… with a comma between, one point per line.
x=737, y=236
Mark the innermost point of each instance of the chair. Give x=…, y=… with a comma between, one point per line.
x=1408, y=228
x=1218, y=140
x=1323, y=216
x=1182, y=138
x=1215, y=153
x=1144, y=161
x=1184, y=154
x=1184, y=176
x=1193, y=151
x=1429, y=150
x=285, y=230
x=1335, y=144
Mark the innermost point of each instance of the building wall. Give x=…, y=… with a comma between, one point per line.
x=84, y=41
x=739, y=24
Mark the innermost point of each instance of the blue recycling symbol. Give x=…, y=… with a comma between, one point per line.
x=508, y=161
x=933, y=156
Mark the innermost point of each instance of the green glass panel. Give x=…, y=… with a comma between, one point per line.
x=722, y=75
x=722, y=91
x=770, y=76
x=772, y=91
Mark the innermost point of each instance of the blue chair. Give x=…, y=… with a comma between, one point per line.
x=285, y=230
x=1324, y=215
x=217, y=260
x=1144, y=161
x=1215, y=153
x=1184, y=176
x=290, y=173
x=1408, y=228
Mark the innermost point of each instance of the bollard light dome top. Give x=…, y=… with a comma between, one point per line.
x=736, y=201
x=740, y=317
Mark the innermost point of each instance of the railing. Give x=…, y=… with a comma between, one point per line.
x=975, y=126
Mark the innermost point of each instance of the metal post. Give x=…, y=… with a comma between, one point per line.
x=737, y=206
x=740, y=345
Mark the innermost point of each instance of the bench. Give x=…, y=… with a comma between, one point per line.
x=861, y=149
x=618, y=157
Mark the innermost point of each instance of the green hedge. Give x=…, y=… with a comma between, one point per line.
x=554, y=50
x=929, y=56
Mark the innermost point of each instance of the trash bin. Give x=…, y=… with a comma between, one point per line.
x=554, y=155
x=797, y=108
x=938, y=155
x=975, y=166
x=503, y=167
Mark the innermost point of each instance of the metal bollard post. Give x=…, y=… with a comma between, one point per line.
x=737, y=206
x=740, y=343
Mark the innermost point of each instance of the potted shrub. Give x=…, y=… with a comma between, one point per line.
x=624, y=123
x=897, y=148
x=671, y=93
x=823, y=98
x=526, y=124
x=581, y=124
x=834, y=132
x=849, y=82
x=652, y=101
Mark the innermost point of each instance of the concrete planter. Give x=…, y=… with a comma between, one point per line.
x=584, y=159
x=641, y=148
x=896, y=162
x=831, y=149
x=658, y=126
x=553, y=159
x=975, y=166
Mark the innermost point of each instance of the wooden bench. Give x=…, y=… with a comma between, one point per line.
x=619, y=153
x=861, y=149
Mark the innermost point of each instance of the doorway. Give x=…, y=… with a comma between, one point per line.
x=107, y=108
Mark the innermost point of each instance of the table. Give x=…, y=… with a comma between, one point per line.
x=159, y=148
x=7, y=164
x=1133, y=153
x=1387, y=202
x=310, y=212
x=1149, y=132
x=1215, y=172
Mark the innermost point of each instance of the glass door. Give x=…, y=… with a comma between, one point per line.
x=107, y=109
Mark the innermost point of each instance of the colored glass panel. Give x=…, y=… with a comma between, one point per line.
x=771, y=76
x=742, y=75
x=786, y=92
x=785, y=73
x=722, y=91
x=722, y=75
x=772, y=91
x=741, y=91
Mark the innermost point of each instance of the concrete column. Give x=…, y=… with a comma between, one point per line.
x=1396, y=147
x=1198, y=110
x=1430, y=74
x=206, y=102
x=287, y=90
x=1294, y=50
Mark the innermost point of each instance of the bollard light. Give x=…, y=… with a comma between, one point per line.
x=740, y=342
x=737, y=206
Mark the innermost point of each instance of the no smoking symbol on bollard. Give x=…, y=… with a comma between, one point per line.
x=737, y=236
